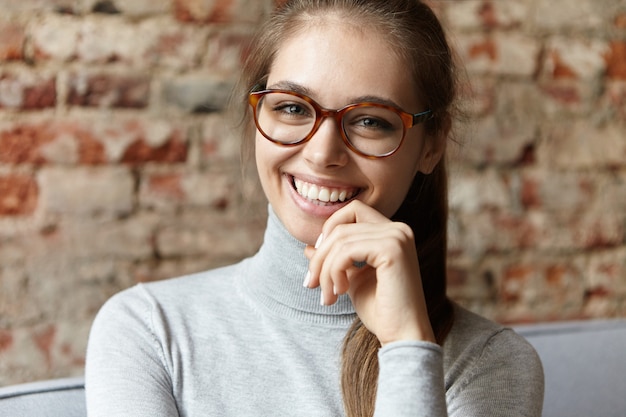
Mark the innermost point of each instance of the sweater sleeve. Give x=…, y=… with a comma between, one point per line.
x=126, y=372
x=410, y=381
x=505, y=377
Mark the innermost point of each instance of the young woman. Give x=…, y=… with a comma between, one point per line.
x=343, y=310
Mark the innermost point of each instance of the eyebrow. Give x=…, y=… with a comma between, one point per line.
x=300, y=89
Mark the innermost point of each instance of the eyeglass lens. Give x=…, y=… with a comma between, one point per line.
x=289, y=119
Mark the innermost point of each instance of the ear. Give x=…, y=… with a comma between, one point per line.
x=434, y=148
x=433, y=151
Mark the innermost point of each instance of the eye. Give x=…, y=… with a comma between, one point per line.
x=369, y=122
x=292, y=109
x=372, y=123
x=287, y=107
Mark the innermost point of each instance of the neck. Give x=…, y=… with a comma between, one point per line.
x=275, y=278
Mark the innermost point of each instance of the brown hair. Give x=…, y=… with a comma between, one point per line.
x=414, y=32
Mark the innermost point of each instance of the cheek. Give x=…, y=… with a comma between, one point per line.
x=393, y=183
x=263, y=153
x=262, y=160
x=270, y=159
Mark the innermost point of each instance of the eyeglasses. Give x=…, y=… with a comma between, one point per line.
x=372, y=130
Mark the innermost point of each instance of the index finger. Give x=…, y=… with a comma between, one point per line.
x=355, y=212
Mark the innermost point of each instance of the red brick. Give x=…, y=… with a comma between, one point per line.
x=44, y=341
x=530, y=193
x=615, y=98
x=574, y=59
x=219, y=11
x=6, y=340
x=107, y=140
x=487, y=48
x=170, y=188
x=200, y=11
x=555, y=280
x=28, y=91
x=167, y=185
x=560, y=69
x=90, y=150
x=107, y=90
x=21, y=144
x=555, y=275
x=606, y=270
x=12, y=37
x=604, y=231
x=563, y=93
x=169, y=43
x=597, y=292
x=18, y=195
x=40, y=96
x=488, y=15
x=514, y=279
x=616, y=61
x=29, y=143
x=173, y=151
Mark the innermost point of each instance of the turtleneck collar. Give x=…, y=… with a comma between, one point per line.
x=274, y=277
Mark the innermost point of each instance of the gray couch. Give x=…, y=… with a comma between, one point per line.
x=54, y=398
x=584, y=364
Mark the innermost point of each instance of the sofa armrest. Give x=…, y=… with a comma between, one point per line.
x=584, y=365
x=53, y=398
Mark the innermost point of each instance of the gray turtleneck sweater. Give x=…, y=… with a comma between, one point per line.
x=250, y=340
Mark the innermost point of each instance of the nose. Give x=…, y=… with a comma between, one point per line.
x=326, y=149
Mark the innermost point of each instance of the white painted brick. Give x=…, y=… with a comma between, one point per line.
x=85, y=191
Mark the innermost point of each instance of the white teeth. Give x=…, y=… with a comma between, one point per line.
x=313, y=193
x=323, y=194
x=334, y=196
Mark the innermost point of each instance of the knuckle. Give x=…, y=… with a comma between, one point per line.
x=405, y=230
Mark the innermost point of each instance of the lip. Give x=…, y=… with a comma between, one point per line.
x=314, y=208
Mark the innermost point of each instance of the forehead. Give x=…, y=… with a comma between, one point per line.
x=337, y=62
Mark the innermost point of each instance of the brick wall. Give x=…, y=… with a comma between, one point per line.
x=539, y=185
x=118, y=163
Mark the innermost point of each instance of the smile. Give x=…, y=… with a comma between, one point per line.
x=317, y=193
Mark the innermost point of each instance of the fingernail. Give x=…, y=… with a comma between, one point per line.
x=319, y=241
x=334, y=290
x=307, y=279
x=322, y=298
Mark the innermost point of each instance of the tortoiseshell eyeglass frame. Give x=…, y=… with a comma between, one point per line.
x=408, y=119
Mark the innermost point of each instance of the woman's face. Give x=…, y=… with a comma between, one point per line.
x=336, y=66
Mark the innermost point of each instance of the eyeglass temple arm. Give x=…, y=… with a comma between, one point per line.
x=422, y=117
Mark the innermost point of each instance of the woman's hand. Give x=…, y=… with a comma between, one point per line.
x=386, y=292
